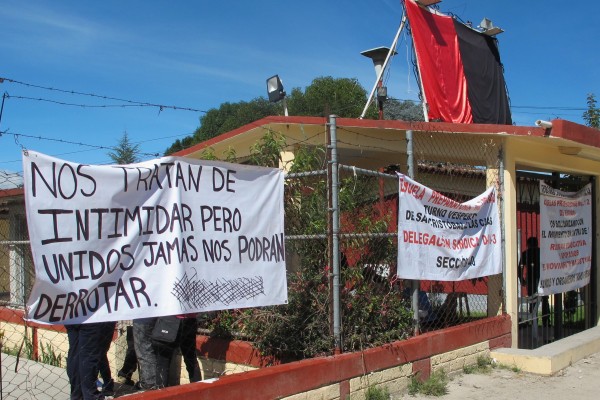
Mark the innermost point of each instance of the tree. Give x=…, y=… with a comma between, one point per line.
x=404, y=110
x=325, y=95
x=227, y=117
x=343, y=97
x=592, y=115
x=125, y=152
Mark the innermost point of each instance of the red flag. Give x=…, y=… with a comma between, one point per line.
x=460, y=69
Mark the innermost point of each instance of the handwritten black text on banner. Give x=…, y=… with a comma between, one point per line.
x=566, y=243
x=161, y=237
x=441, y=239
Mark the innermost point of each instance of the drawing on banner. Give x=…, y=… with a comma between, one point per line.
x=566, y=239
x=441, y=239
x=162, y=237
x=196, y=293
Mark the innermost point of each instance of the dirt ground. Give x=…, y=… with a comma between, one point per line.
x=579, y=381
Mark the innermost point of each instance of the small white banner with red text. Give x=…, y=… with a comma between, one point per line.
x=441, y=239
x=566, y=242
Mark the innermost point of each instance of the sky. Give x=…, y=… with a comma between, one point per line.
x=75, y=72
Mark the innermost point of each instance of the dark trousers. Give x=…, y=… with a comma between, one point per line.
x=186, y=341
x=189, y=328
x=104, y=366
x=130, y=361
x=146, y=355
x=87, y=344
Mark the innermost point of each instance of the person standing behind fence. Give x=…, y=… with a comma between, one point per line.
x=130, y=362
x=146, y=356
x=529, y=274
x=108, y=384
x=186, y=342
x=87, y=344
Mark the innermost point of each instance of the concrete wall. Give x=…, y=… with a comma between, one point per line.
x=349, y=375
x=234, y=370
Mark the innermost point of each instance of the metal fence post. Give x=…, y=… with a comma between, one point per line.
x=502, y=223
x=415, y=285
x=335, y=231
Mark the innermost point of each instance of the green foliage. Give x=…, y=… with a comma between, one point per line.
x=208, y=154
x=435, y=385
x=125, y=152
x=484, y=365
x=227, y=117
x=377, y=393
x=343, y=97
x=50, y=356
x=230, y=116
x=25, y=349
x=180, y=144
x=373, y=311
x=267, y=151
x=403, y=110
x=592, y=115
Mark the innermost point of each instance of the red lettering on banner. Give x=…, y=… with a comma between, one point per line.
x=425, y=239
x=417, y=191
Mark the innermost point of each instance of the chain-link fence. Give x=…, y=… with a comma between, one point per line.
x=373, y=306
x=460, y=169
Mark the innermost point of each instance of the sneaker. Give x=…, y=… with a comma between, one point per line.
x=101, y=396
x=139, y=386
x=125, y=381
x=109, y=387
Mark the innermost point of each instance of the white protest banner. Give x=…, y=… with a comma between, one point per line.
x=441, y=239
x=566, y=243
x=161, y=237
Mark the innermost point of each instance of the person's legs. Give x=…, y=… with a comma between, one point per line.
x=189, y=327
x=142, y=340
x=91, y=348
x=108, y=330
x=164, y=355
x=130, y=361
x=73, y=362
x=545, y=311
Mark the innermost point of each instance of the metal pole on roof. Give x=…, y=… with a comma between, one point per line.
x=2, y=107
x=335, y=218
x=385, y=63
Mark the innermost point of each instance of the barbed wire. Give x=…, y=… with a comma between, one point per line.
x=132, y=103
x=16, y=136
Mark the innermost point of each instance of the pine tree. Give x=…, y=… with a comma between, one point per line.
x=592, y=115
x=125, y=152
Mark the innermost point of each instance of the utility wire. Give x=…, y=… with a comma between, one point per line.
x=73, y=92
x=16, y=136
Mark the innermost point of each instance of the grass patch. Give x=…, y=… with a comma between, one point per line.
x=485, y=365
x=512, y=368
x=435, y=385
x=377, y=393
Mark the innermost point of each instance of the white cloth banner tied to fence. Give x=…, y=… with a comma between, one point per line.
x=441, y=239
x=566, y=243
x=161, y=237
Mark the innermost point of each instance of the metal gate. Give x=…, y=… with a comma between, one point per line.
x=544, y=319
